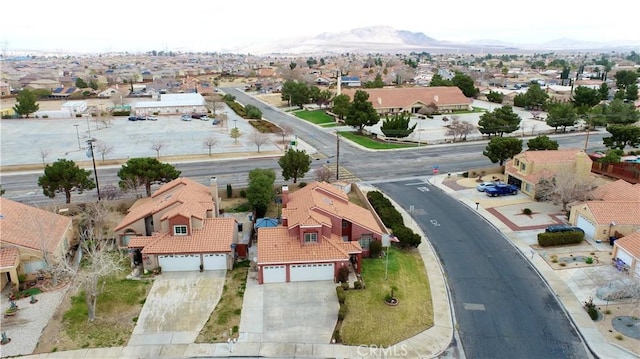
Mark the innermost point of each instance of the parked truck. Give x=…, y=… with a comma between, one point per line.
x=501, y=189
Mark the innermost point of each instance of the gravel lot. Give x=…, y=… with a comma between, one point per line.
x=25, y=327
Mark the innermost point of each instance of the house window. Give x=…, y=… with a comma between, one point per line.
x=365, y=241
x=523, y=167
x=345, y=224
x=311, y=237
x=180, y=230
x=516, y=162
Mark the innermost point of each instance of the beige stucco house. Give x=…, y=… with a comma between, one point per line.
x=31, y=239
x=527, y=168
x=627, y=250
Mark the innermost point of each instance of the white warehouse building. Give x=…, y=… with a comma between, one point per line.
x=172, y=104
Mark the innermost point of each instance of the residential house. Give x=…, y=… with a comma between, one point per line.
x=31, y=239
x=627, y=251
x=350, y=81
x=321, y=232
x=411, y=100
x=526, y=169
x=5, y=89
x=179, y=228
x=614, y=212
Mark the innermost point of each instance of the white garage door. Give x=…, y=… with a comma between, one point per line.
x=311, y=272
x=179, y=262
x=624, y=256
x=274, y=274
x=214, y=261
x=587, y=226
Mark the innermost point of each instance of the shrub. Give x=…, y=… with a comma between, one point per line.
x=357, y=284
x=465, y=174
x=336, y=336
x=342, y=296
x=343, y=275
x=229, y=190
x=407, y=237
x=243, y=193
x=527, y=211
x=375, y=249
x=345, y=285
x=342, y=312
x=546, y=239
x=302, y=184
x=45, y=116
x=589, y=260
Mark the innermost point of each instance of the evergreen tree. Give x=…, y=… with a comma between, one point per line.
x=26, y=103
x=64, y=176
x=295, y=164
x=397, y=126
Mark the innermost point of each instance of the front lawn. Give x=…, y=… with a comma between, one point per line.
x=368, y=142
x=227, y=313
x=369, y=321
x=117, y=311
x=318, y=117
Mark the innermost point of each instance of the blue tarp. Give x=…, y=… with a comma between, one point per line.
x=265, y=222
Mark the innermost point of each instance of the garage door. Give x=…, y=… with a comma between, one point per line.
x=311, y=272
x=624, y=256
x=179, y=262
x=587, y=226
x=214, y=261
x=274, y=274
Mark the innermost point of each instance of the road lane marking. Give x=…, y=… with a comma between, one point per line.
x=473, y=306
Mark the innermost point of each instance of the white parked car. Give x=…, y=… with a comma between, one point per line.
x=204, y=118
x=185, y=118
x=484, y=185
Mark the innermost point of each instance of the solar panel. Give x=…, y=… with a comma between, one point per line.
x=58, y=90
x=71, y=89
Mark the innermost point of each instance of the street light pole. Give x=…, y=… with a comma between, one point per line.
x=93, y=159
x=337, y=156
x=78, y=136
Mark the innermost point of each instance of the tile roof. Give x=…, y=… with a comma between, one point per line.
x=317, y=202
x=8, y=257
x=216, y=235
x=552, y=156
x=185, y=196
x=631, y=244
x=275, y=245
x=605, y=212
x=619, y=190
x=407, y=97
x=31, y=227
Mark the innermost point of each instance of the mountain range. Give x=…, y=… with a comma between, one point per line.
x=385, y=39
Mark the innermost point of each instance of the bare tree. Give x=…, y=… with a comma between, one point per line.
x=285, y=130
x=258, y=138
x=214, y=102
x=157, y=146
x=110, y=192
x=459, y=129
x=323, y=174
x=565, y=187
x=117, y=99
x=43, y=155
x=103, y=149
x=223, y=117
x=210, y=142
x=100, y=261
x=106, y=121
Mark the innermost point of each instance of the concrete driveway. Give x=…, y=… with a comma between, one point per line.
x=177, y=307
x=299, y=312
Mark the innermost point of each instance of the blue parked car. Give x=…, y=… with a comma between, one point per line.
x=501, y=189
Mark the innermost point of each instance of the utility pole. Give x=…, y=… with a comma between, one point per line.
x=337, y=155
x=93, y=159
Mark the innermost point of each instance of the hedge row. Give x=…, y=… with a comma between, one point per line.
x=546, y=239
x=393, y=219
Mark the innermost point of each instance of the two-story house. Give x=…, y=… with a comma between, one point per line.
x=31, y=239
x=179, y=228
x=321, y=232
x=526, y=169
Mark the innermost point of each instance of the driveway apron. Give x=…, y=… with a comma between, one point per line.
x=298, y=312
x=177, y=307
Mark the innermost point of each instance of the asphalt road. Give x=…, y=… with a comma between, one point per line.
x=502, y=306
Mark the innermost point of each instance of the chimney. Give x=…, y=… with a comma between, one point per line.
x=213, y=186
x=285, y=196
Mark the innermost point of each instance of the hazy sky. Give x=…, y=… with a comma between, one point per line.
x=214, y=25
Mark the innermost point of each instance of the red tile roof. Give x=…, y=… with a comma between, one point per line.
x=186, y=197
x=216, y=235
x=8, y=257
x=317, y=202
x=407, y=97
x=552, y=156
x=631, y=244
x=275, y=245
x=605, y=212
x=31, y=227
x=619, y=190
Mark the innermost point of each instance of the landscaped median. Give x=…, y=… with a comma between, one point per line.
x=369, y=320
